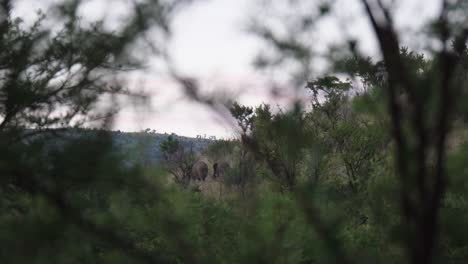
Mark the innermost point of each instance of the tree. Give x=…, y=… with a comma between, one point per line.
x=178, y=159
x=422, y=101
x=357, y=139
x=54, y=181
x=69, y=197
x=278, y=139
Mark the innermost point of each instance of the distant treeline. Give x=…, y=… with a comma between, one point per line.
x=144, y=145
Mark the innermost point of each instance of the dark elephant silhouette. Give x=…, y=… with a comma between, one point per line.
x=219, y=169
x=199, y=171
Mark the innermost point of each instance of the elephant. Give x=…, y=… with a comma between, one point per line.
x=199, y=171
x=219, y=169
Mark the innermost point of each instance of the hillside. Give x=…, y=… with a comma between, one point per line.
x=145, y=145
x=141, y=147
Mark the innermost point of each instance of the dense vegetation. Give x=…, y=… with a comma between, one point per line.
x=372, y=170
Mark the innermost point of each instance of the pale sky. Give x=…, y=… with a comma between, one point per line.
x=211, y=44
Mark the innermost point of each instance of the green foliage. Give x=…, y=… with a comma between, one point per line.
x=280, y=139
x=170, y=146
x=222, y=150
x=367, y=175
x=179, y=159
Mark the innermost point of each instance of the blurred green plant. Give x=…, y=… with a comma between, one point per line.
x=373, y=172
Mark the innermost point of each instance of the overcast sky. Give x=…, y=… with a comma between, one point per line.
x=210, y=43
